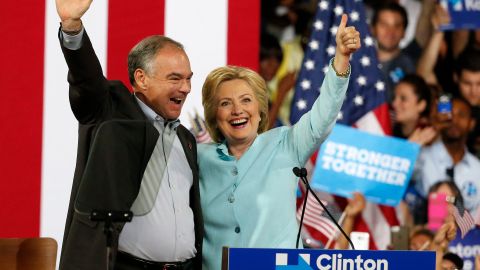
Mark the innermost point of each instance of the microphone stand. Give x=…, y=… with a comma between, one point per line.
x=301, y=218
x=302, y=173
x=109, y=217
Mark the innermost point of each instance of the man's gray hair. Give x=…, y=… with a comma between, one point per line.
x=142, y=55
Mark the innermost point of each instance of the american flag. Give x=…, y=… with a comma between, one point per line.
x=365, y=105
x=199, y=129
x=463, y=218
x=477, y=217
x=315, y=218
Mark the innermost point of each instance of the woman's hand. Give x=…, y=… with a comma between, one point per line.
x=444, y=235
x=348, y=42
x=423, y=136
x=440, y=17
x=355, y=205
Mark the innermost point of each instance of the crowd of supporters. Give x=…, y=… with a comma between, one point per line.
x=433, y=89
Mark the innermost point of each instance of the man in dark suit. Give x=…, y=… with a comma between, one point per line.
x=133, y=154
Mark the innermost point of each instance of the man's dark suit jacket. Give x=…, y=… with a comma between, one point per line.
x=115, y=143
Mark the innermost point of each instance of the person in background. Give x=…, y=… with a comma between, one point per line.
x=248, y=190
x=411, y=105
x=468, y=78
x=388, y=27
x=421, y=239
x=448, y=158
x=281, y=86
x=271, y=57
x=435, y=63
x=451, y=261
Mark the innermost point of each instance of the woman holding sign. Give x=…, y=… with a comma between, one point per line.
x=247, y=185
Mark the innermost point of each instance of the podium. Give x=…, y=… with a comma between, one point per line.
x=317, y=259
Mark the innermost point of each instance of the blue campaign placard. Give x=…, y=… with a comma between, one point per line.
x=467, y=248
x=379, y=167
x=311, y=259
x=464, y=14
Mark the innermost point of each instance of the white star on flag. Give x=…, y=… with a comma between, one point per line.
x=365, y=61
x=358, y=100
x=323, y=5
x=325, y=69
x=361, y=80
x=368, y=41
x=354, y=16
x=331, y=50
x=305, y=84
x=340, y=115
x=309, y=64
x=318, y=25
x=333, y=30
x=301, y=104
x=380, y=86
x=338, y=10
x=313, y=45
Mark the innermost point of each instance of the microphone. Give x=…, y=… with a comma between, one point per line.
x=302, y=173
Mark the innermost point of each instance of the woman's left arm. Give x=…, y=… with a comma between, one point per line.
x=312, y=129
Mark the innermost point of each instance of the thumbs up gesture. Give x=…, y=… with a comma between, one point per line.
x=347, y=38
x=348, y=42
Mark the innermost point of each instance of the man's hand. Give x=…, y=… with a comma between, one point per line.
x=71, y=12
x=348, y=42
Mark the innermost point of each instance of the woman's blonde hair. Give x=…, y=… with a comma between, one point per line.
x=228, y=73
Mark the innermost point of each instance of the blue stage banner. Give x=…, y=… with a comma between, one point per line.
x=464, y=14
x=379, y=167
x=467, y=248
x=309, y=259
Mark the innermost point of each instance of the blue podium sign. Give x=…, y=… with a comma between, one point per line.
x=313, y=259
x=464, y=14
x=467, y=248
x=379, y=167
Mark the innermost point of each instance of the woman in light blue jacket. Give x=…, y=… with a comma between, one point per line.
x=246, y=182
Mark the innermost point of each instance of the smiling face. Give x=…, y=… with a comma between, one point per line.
x=238, y=112
x=469, y=84
x=406, y=105
x=166, y=84
x=389, y=30
x=461, y=123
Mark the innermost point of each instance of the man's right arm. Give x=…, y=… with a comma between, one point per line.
x=88, y=86
x=72, y=42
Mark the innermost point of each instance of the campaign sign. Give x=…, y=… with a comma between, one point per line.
x=467, y=248
x=464, y=14
x=328, y=259
x=379, y=167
